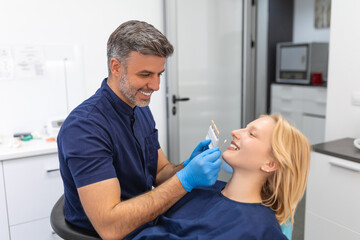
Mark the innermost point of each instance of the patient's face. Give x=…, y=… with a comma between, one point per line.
x=251, y=146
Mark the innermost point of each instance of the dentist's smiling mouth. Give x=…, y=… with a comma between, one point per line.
x=145, y=93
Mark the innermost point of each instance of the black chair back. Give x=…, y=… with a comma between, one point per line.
x=66, y=230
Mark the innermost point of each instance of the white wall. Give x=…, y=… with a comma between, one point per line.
x=85, y=24
x=304, y=28
x=343, y=119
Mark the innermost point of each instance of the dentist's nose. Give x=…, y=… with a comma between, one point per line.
x=154, y=83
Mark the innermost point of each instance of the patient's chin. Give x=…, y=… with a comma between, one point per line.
x=226, y=157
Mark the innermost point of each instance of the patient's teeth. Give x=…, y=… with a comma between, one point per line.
x=234, y=146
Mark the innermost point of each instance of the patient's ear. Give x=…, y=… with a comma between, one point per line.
x=269, y=166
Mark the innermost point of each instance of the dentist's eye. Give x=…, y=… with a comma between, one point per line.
x=144, y=75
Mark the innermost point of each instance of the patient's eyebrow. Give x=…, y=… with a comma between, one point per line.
x=253, y=128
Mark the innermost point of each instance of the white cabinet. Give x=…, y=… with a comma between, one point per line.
x=34, y=230
x=32, y=184
x=4, y=226
x=303, y=106
x=319, y=228
x=288, y=101
x=332, y=199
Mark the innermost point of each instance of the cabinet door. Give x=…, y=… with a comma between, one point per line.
x=287, y=91
x=33, y=185
x=315, y=101
x=317, y=228
x=36, y=230
x=333, y=190
x=4, y=225
x=287, y=101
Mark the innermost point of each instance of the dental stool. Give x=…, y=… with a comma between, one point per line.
x=66, y=230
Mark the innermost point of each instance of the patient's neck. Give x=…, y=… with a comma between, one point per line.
x=244, y=187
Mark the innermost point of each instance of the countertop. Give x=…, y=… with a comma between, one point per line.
x=31, y=148
x=342, y=148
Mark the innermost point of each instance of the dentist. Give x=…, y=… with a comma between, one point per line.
x=110, y=157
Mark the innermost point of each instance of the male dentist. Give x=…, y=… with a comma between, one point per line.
x=109, y=153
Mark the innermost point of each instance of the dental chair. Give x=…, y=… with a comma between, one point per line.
x=66, y=230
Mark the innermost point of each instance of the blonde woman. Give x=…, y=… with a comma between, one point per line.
x=270, y=161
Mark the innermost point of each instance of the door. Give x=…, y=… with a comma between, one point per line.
x=204, y=76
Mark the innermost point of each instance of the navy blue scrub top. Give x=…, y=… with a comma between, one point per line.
x=105, y=138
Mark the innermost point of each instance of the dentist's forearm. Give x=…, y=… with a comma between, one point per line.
x=115, y=221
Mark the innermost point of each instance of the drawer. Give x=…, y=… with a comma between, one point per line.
x=286, y=105
x=36, y=230
x=317, y=228
x=314, y=108
x=333, y=190
x=315, y=101
x=287, y=91
x=315, y=93
x=32, y=187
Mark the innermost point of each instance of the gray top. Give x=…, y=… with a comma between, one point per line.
x=343, y=148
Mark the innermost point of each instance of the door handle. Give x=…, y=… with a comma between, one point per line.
x=175, y=99
x=346, y=165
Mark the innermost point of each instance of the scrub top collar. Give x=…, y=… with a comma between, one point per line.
x=120, y=106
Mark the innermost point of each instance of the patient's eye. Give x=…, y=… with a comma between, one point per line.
x=251, y=133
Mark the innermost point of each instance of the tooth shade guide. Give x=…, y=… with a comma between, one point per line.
x=213, y=135
x=213, y=124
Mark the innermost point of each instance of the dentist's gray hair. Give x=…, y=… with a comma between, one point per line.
x=137, y=36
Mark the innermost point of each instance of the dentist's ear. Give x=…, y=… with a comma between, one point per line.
x=269, y=166
x=115, y=67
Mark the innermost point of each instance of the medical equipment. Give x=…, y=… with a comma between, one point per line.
x=53, y=126
x=213, y=134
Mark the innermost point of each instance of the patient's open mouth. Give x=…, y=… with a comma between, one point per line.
x=234, y=146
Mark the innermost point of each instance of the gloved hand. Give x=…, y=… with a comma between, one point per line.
x=202, y=146
x=201, y=171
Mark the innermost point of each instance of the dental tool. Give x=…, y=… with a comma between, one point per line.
x=213, y=134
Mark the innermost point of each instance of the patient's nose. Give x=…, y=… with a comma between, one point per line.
x=236, y=133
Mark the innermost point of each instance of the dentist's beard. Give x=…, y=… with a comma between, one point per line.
x=130, y=92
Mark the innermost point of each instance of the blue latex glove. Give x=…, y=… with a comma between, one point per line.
x=201, y=171
x=202, y=146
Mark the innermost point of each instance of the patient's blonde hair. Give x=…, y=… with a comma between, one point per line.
x=285, y=188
